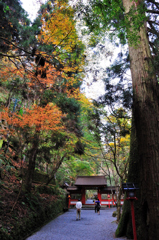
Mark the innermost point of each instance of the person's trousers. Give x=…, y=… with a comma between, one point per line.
x=78, y=214
x=95, y=208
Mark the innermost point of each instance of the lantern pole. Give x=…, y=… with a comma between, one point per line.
x=130, y=190
x=133, y=218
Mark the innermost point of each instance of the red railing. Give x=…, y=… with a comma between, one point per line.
x=110, y=201
x=104, y=202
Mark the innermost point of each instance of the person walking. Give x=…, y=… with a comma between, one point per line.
x=97, y=206
x=78, y=211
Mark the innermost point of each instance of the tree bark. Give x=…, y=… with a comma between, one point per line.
x=119, y=202
x=125, y=224
x=146, y=128
x=54, y=171
x=31, y=166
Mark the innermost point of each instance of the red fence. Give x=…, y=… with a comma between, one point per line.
x=104, y=202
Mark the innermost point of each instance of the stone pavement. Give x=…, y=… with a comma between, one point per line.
x=91, y=227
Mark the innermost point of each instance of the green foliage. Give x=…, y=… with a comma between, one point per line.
x=79, y=148
x=23, y=89
x=72, y=108
x=1, y=162
x=38, y=214
x=73, y=167
x=101, y=16
x=12, y=22
x=41, y=177
x=119, y=91
x=54, y=190
x=112, y=135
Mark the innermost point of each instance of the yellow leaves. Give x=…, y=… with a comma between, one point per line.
x=111, y=144
x=125, y=140
x=72, y=139
x=85, y=101
x=60, y=32
x=60, y=29
x=121, y=141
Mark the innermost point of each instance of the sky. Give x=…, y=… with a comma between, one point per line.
x=32, y=6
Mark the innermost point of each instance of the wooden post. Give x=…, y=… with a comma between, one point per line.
x=113, y=199
x=83, y=195
x=69, y=201
x=133, y=219
x=108, y=200
x=99, y=195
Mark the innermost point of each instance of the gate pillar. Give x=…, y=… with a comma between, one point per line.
x=83, y=195
x=99, y=194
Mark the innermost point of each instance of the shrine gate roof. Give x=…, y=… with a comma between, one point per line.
x=91, y=181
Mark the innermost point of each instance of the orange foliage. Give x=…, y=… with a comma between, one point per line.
x=9, y=70
x=38, y=118
x=60, y=32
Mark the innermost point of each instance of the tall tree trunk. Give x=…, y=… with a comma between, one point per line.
x=31, y=166
x=146, y=127
x=125, y=224
x=54, y=171
x=119, y=201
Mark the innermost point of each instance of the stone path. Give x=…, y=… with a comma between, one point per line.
x=91, y=227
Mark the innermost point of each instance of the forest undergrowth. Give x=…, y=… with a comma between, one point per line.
x=23, y=213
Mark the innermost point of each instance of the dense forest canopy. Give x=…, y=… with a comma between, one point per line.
x=41, y=69
x=43, y=114
x=48, y=125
